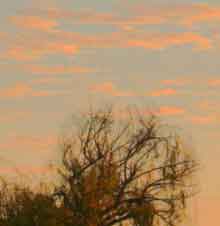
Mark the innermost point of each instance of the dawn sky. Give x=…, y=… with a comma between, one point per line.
x=57, y=57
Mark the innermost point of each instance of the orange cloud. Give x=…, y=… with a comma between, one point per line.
x=207, y=119
x=214, y=82
x=201, y=13
x=164, y=92
x=28, y=51
x=66, y=48
x=170, y=110
x=93, y=17
x=175, y=82
x=48, y=80
x=109, y=88
x=34, y=22
x=182, y=14
x=18, y=90
x=160, y=111
x=161, y=41
x=24, y=90
x=27, y=46
x=58, y=69
x=146, y=40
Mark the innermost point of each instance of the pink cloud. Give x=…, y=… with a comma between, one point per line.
x=109, y=88
x=164, y=92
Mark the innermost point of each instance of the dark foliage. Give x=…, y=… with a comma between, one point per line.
x=132, y=172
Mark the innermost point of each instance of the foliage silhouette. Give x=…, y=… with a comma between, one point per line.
x=130, y=172
x=19, y=206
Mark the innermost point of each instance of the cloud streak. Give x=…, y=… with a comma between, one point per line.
x=164, y=92
x=109, y=89
x=162, y=41
x=21, y=90
x=181, y=14
x=34, y=22
x=57, y=69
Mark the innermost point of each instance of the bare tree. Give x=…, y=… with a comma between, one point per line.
x=132, y=172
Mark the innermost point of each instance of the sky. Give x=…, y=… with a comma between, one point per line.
x=58, y=57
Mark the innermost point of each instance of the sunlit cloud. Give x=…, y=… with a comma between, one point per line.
x=162, y=41
x=202, y=13
x=34, y=22
x=48, y=80
x=175, y=82
x=30, y=50
x=203, y=120
x=27, y=45
x=214, y=82
x=145, y=40
x=164, y=92
x=90, y=16
x=170, y=110
x=182, y=14
x=57, y=69
x=159, y=111
x=110, y=89
x=20, y=90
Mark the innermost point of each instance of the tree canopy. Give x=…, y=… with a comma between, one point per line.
x=130, y=172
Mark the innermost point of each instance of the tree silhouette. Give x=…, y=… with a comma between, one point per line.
x=130, y=172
